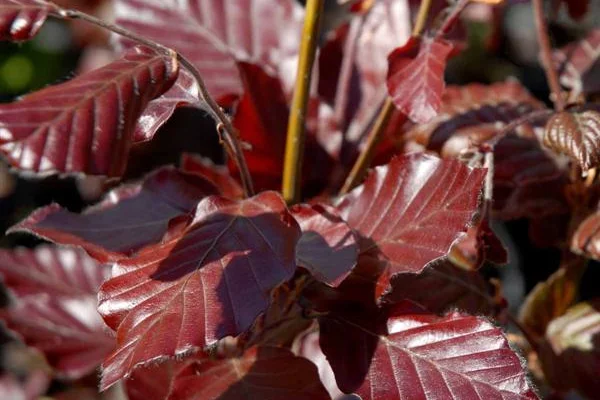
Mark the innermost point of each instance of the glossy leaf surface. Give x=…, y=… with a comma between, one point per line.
x=204, y=281
x=453, y=357
x=215, y=34
x=86, y=124
x=412, y=210
x=55, y=306
x=327, y=247
x=268, y=373
x=22, y=19
x=416, y=77
x=130, y=216
x=576, y=134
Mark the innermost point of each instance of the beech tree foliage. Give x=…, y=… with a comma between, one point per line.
x=199, y=281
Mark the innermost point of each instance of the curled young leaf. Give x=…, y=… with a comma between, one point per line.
x=204, y=281
x=416, y=77
x=571, y=353
x=586, y=239
x=578, y=64
x=85, y=125
x=327, y=247
x=22, y=19
x=55, y=304
x=577, y=134
x=411, y=211
x=130, y=217
x=452, y=357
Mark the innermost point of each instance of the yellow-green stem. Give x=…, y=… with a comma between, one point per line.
x=376, y=133
x=294, y=147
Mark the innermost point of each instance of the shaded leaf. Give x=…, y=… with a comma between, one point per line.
x=586, y=239
x=22, y=19
x=218, y=175
x=327, y=247
x=416, y=77
x=452, y=357
x=411, y=211
x=130, y=217
x=55, y=306
x=443, y=287
x=571, y=356
x=576, y=134
x=549, y=300
x=86, y=124
x=261, y=118
x=578, y=64
x=528, y=182
x=204, y=281
x=215, y=34
x=268, y=373
x=14, y=389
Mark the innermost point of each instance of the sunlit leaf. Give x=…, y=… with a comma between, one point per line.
x=204, y=281
x=130, y=216
x=22, y=19
x=85, y=125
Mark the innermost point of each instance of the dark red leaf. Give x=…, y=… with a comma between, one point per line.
x=443, y=287
x=549, y=300
x=412, y=210
x=416, y=77
x=261, y=118
x=218, y=175
x=155, y=382
x=528, y=182
x=215, y=34
x=578, y=64
x=327, y=247
x=576, y=134
x=85, y=124
x=184, y=92
x=130, y=217
x=577, y=8
x=266, y=373
x=453, y=357
x=571, y=353
x=55, y=306
x=203, y=282
x=586, y=239
x=22, y=19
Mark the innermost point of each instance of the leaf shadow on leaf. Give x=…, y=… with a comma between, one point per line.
x=228, y=296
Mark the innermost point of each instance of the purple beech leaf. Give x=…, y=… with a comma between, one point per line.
x=327, y=247
x=22, y=19
x=85, y=125
x=578, y=64
x=570, y=354
x=586, y=239
x=204, y=281
x=218, y=175
x=443, y=286
x=457, y=356
x=55, y=292
x=130, y=217
x=416, y=77
x=577, y=134
x=528, y=181
x=265, y=373
x=411, y=211
x=214, y=35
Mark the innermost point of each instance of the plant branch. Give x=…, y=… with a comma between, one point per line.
x=376, y=133
x=294, y=146
x=224, y=126
x=546, y=53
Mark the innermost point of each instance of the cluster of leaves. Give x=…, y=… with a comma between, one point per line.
x=185, y=285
